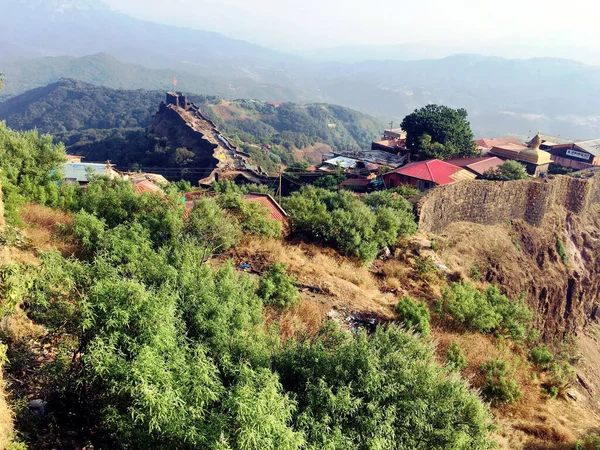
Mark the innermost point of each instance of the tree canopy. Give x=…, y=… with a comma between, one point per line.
x=437, y=131
x=509, y=170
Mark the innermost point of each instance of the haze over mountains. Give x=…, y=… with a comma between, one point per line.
x=87, y=40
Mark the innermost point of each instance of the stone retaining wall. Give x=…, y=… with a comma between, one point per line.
x=492, y=202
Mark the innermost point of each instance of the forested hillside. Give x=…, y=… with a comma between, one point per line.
x=101, y=123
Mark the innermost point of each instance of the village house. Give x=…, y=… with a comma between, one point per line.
x=485, y=145
x=426, y=174
x=536, y=161
x=577, y=155
x=80, y=173
x=393, y=141
x=478, y=165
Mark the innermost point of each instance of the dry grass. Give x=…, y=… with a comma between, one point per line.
x=346, y=283
x=42, y=229
x=6, y=418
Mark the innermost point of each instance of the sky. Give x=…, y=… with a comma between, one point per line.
x=524, y=26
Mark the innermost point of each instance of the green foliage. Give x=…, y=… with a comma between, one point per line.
x=117, y=202
x=455, y=357
x=277, y=287
x=253, y=218
x=214, y=229
x=500, y=387
x=29, y=166
x=507, y=171
x=156, y=349
x=475, y=273
x=562, y=252
x=15, y=281
x=439, y=132
x=487, y=311
x=406, y=191
x=352, y=226
x=541, y=356
x=414, y=314
x=330, y=182
x=425, y=267
x=379, y=392
x=89, y=229
x=562, y=375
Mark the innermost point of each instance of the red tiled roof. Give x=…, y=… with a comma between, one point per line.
x=478, y=165
x=434, y=170
x=147, y=186
x=489, y=143
x=276, y=212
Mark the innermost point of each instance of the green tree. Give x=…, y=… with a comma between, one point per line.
x=507, y=171
x=379, y=392
x=213, y=228
x=341, y=219
x=439, y=132
x=414, y=315
x=455, y=357
x=277, y=287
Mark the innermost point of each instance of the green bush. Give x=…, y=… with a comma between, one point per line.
x=425, y=267
x=455, y=357
x=475, y=273
x=277, y=287
x=562, y=252
x=541, y=356
x=341, y=219
x=499, y=388
x=356, y=391
x=487, y=311
x=414, y=315
x=253, y=218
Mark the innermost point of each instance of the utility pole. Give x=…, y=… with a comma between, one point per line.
x=280, y=175
x=392, y=125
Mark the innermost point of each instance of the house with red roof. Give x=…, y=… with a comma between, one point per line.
x=478, y=165
x=274, y=209
x=426, y=174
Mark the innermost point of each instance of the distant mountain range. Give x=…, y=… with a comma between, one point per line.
x=503, y=96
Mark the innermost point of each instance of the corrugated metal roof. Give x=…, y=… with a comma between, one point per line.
x=341, y=161
x=592, y=147
x=554, y=140
x=79, y=171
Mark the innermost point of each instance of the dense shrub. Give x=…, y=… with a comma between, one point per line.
x=455, y=357
x=414, y=315
x=541, y=356
x=507, y=171
x=383, y=391
x=344, y=221
x=487, y=311
x=30, y=170
x=500, y=387
x=253, y=218
x=277, y=287
x=214, y=229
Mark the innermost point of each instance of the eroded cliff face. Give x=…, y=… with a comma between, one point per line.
x=563, y=288
x=178, y=128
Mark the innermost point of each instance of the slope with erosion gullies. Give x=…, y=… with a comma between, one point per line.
x=356, y=295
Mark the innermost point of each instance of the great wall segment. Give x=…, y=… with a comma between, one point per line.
x=183, y=124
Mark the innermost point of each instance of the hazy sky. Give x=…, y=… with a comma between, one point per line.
x=307, y=24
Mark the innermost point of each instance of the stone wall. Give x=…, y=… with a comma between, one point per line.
x=492, y=202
